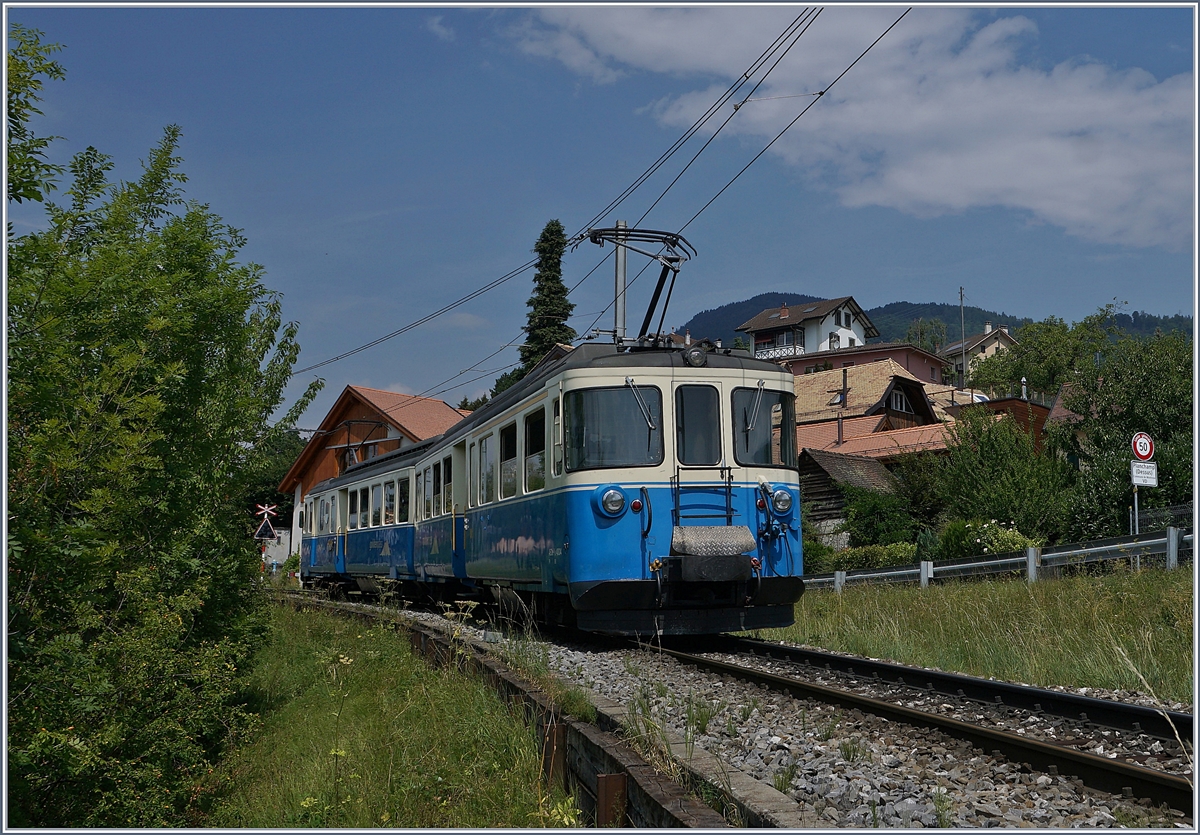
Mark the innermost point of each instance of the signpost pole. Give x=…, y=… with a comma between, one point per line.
x=1136, y=529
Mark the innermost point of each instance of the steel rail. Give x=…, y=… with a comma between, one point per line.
x=1155, y=722
x=1113, y=776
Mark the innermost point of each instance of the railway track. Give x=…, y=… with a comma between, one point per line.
x=1123, y=716
x=1110, y=775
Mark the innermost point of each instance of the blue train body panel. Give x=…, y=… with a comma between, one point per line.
x=385, y=551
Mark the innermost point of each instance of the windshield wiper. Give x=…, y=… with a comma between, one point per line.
x=757, y=404
x=637, y=395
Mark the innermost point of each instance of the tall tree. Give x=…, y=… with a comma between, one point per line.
x=145, y=364
x=1048, y=354
x=30, y=175
x=1143, y=385
x=927, y=334
x=549, y=308
x=993, y=471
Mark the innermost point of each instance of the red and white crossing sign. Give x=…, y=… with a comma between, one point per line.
x=1143, y=446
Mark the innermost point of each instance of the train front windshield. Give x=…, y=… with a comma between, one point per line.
x=764, y=427
x=614, y=427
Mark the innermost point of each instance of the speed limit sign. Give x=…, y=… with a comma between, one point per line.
x=1143, y=446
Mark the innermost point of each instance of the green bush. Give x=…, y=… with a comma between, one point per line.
x=874, y=518
x=865, y=556
x=973, y=538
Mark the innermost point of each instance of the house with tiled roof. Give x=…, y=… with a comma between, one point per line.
x=363, y=423
x=978, y=347
x=788, y=332
x=878, y=388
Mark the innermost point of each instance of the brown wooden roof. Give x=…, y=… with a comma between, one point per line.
x=855, y=470
x=797, y=314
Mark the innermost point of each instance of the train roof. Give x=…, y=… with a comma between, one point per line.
x=587, y=355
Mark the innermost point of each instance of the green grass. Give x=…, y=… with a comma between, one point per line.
x=357, y=732
x=1064, y=631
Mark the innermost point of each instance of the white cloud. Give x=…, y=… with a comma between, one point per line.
x=435, y=25
x=939, y=117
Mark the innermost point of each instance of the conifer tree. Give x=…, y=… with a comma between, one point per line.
x=549, y=308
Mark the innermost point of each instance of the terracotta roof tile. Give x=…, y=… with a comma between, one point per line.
x=884, y=445
x=824, y=435
x=418, y=417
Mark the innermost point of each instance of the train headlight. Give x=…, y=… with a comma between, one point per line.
x=696, y=356
x=613, y=501
x=781, y=502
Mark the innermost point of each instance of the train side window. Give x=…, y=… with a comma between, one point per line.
x=389, y=502
x=697, y=425
x=376, y=505
x=487, y=470
x=323, y=523
x=353, y=510
x=428, y=511
x=447, y=486
x=535, y=451
x=557, y=441
x=473, y=477
x=420, y=495
x=402, y=504
x=364, y=507
x=437, y=489
x=508, y=461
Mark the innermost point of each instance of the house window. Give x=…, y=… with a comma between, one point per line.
x=784, y=339
x=535, y=451
x=835, y=341
x=508, y=461
x=899, y=402
x=851, y=342
x=933, y=374
x=848, y=320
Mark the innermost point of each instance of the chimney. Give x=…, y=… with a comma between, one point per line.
x=783, y=311
x=839, y=442
x=987, y=327
x=1004, y=328
x=687, y=337
x=844, y=389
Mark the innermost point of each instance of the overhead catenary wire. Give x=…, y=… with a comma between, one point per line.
x=629, y=190
x=816, y=98
x=807, y=107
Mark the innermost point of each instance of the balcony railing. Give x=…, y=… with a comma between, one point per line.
x=783, y=352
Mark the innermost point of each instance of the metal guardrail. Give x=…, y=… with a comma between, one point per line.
x=1169, y=544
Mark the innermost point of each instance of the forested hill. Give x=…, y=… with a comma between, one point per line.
x=893, y=319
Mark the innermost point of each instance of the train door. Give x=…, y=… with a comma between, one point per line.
x=701, y=490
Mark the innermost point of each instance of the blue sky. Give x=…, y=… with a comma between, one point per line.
x=383, y=162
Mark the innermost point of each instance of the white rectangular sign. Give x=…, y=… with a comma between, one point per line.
x=1144, y=473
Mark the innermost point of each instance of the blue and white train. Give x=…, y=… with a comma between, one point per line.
x=618, y=489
